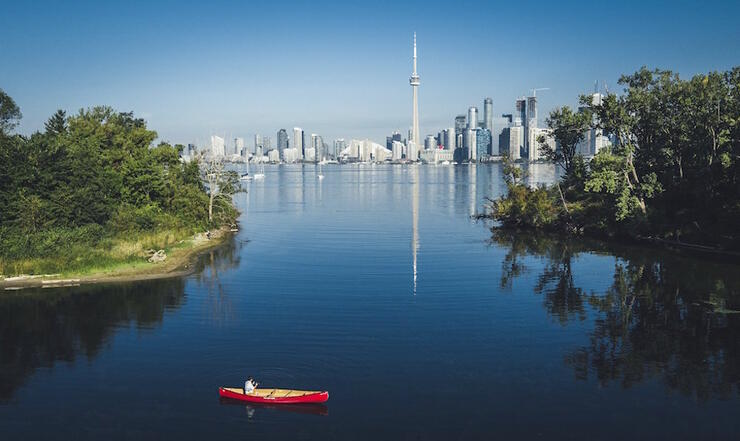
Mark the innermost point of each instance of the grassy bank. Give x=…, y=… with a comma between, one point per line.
x=114, y=258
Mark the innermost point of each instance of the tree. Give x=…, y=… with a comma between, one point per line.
x=57, y=124
x=568, y=130
x=10, y=114
x=221, y=185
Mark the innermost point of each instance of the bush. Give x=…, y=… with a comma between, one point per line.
x=526, y=207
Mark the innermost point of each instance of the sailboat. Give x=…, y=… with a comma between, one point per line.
x=321, y=173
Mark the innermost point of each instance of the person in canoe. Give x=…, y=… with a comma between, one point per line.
x=250, y=385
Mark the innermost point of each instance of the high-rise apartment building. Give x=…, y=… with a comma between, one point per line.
x=472, y=118
x=460, y=124
x=282, y=139
x=483, y=143
x=520, y=118
x=488, y=114
x=298, y=141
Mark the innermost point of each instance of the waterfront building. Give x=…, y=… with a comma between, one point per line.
x=306, y=142
x=470, y=144
x=290, y=155
x=472, y=118
x=317, y=143
x=273, y=156
x=395, y=136
x=282, y=140
x=488, y=114
x=238, y=146
x=412, y=151
x=415, y=81
x=309, y=154
x=516, y=142
x=460, y=125
x=449, y=138
x=459, y=141
x=298, y=141
x=365, y=151
x=520, y=117
x=217, y=146
x=534, y=134
x=339, y=145
x=257, y=149
x=503, y=141
x=435, y=156
x=430, y=143
x=483, y=144
x=396, y=151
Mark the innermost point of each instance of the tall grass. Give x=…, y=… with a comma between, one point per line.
x=81, y=250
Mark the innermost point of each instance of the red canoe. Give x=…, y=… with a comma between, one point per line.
x=274, y=396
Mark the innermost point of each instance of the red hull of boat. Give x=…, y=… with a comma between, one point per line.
x=318, y=397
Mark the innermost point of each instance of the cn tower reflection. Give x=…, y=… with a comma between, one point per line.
x=414, y=218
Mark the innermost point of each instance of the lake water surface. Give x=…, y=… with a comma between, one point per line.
x=377, y=285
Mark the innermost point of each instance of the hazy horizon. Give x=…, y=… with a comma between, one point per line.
x=337, y=69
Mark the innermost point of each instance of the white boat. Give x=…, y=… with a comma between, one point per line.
x=445, y=163
x=320, y=176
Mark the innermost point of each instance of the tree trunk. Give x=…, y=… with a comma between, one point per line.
x=562, y=198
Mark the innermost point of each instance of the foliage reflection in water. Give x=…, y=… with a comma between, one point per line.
x=663, y=316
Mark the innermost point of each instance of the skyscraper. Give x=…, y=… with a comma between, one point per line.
x=450, y=138
x=339, y=145
x=488, y=114
x=298, y=141
x=459, y=127
x=282, y=140
x=483, y=143
x=430, y=143
x=532, y=111
x=306, y=142
x=472, y=118
x=414, y=81
x=520, y=118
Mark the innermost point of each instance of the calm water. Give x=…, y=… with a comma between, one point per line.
x=377, y=285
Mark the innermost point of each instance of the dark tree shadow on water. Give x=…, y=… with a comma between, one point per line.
x=664, y=317
x=42, y=327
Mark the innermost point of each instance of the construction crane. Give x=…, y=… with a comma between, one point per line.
x=534, y=91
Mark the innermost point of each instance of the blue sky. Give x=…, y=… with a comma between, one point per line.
x=339, y=69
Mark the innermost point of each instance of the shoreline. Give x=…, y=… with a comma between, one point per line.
x=178, y=263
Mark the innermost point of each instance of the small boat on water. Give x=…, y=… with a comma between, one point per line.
x=274, y=396
x=245, y=177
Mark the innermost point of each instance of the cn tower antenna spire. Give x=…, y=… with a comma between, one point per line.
x=414, y=52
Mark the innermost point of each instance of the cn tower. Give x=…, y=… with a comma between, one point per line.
x=414, y=81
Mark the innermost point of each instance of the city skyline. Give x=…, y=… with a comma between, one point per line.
x=191, y=83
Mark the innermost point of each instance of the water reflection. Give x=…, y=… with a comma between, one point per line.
x=253, y=409
x=41, y=327
x=663, y=316
x=414, y=220
x=207, y=269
